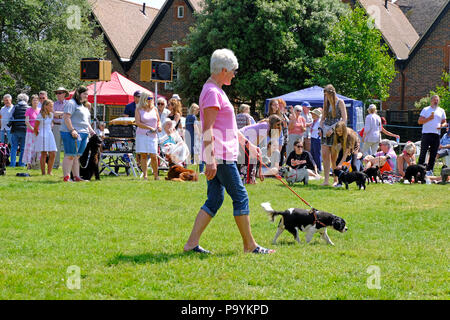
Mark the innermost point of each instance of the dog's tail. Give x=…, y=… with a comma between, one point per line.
x=268, y=207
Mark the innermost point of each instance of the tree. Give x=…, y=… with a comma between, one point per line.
x=42, y=42
x=276, y=42
x=356, y=62
x=443, y=93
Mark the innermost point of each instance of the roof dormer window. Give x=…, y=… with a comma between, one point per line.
x=180, y=12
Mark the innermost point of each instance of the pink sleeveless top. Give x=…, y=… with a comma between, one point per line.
x=150, y=119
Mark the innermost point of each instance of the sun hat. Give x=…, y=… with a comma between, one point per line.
x=176, y=96
x=297, y=108
x=317, y=112
x=62, y=89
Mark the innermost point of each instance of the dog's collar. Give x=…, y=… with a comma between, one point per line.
x=341, y=173
x=316, y=220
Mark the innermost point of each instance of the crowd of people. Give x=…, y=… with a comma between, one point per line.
x=228, y=147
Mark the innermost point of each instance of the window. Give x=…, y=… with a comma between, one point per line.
x=168, y=55
x=180, y=12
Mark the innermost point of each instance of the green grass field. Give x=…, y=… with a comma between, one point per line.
x=126, y=236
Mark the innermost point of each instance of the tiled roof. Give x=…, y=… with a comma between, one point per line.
x=420, y=12
x=123, y=23
x=196, y=4
x=397, y=31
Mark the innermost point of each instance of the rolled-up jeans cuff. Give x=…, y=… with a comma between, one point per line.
x=208, y=211
x=241, y=213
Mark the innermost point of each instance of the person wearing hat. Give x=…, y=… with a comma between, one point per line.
x=58, y=111
x=130, y=108
x=316, y=148
x=296, y=128
x=308, y=118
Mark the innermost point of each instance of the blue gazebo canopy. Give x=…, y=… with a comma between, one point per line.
x=314, y=95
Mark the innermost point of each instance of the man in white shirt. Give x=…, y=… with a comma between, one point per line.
x=432, y=119
x=5, y=115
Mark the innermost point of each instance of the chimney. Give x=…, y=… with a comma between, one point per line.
x=143, y=8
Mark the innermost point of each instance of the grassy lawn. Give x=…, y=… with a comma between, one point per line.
x=126, y=237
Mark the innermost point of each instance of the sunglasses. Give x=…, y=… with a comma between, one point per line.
x=298, y=146
x=160, y=103
x=150, y=98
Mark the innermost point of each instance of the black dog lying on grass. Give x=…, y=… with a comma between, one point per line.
x=346, y=177
x=416, y=171
x=89, y=160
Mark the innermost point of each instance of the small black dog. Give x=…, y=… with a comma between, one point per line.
x=416, y=171
x=4, y=158
x=89, y=160
x=346, y=177
x=445, y=173
x=372, y=174
x=295, y=219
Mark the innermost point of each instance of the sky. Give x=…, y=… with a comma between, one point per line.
x=152, y=3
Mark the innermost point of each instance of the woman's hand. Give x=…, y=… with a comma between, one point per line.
x=329, y=133
x=211, y=170
x=74, y=134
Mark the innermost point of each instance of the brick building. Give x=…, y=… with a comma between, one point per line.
x=420, y=60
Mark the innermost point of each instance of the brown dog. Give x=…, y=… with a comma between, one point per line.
x=179, y=173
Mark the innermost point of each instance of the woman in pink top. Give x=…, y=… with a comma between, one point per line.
x=296, y=128
x=221, y=140
x=29, y=155
x=148, y=124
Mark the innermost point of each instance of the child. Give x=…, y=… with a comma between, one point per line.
x=316, y=149
x=45, y=141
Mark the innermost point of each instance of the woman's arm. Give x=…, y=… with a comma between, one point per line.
x=27, y=122
x=68, y=122
x=36, y=127
x=400, y=165
x=389, y=133
x=343, y=110
x=209, y=118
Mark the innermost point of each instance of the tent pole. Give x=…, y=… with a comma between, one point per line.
x=95, y=105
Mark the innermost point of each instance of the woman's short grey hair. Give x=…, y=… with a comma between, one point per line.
x=386, y=142
x=372, y=108
x=243, y=107
x=223, y=58
x=7, y=96
x=23, y=97
x=161, y=99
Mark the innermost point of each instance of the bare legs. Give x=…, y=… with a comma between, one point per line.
x=51, y=161
x=329, y=160
x=202, y=221
x=154, y=164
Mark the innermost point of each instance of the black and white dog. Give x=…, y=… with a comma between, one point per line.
x=89, y=160
x=346, y=177
x=416, y=171
x=295, y=219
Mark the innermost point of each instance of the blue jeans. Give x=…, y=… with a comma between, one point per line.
x=17, y=140
x=5, y=136
x=316, y=152
x=227, y=178
x=74, y=147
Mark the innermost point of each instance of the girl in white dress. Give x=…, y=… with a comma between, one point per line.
x=45, y=141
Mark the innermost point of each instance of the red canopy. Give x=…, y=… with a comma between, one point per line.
x=118, y=91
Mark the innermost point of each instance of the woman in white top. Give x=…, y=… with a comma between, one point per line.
x=148, y=123
x=372, y=131
x=45, y=141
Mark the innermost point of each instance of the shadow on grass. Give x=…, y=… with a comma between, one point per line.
x=155, y=258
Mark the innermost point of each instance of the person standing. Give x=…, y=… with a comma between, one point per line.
x=5, y=115
x=29, y=154
x=190, y=132
x=18, y=129
x=243, y=118
x=148, y=124
x=58, y=111
x=75, y=131
x=333, y=111
x=45, y=142
x=308, y=118
x=131, y=107
x=372, y=131
x=432, y=119
x=315, y=138
x=296, y=128
x=221, y=140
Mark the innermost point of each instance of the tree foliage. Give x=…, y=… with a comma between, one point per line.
x=42, y=42
x=276, y=42
x=443, y=93
x=356, y=62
